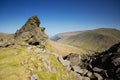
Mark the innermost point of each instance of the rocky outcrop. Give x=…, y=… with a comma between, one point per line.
x=99, y=66
x=31, y=32
x=34, y=77
x=6, y=40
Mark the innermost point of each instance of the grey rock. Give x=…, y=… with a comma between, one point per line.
x=38, y=50
x=30, y=68
x=64, y=62
x=34, y=77
x=118, y=70
x=84, y=71
x=73, y=58
x=29, y=49
x=99, y=77
x=118, y=50
x=99, y=66
x=6, y=44
x=116, y=61
x=39, y=68
x=77, y=69
x=31, y=33
x=47, y=66
x=89, y=74
x=85, y=78
x=96, y=69
x=53, y=70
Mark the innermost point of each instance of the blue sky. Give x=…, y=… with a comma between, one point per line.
x=60, y=15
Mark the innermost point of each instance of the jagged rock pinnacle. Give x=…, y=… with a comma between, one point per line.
x=31, y=32
x=33, y=21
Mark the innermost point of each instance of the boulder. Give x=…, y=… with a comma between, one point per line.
x=96, y=69
x=64, y=62
x=99, y=77
x=6, y=40
x=76, y=69
x=116, y=61
x=73, y=58
x=6, y=44
x=89, y=74
x=114, y=48
x=34, y=77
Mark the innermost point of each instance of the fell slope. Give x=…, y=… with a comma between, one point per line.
x=21, y=62
x=28, y=57
x=64, y=49
x=96, y=40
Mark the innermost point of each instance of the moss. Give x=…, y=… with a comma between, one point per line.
x=2, y=56
x=14, y=64
x=53, y=77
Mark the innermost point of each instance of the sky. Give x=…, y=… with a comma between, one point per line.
x=59, y=16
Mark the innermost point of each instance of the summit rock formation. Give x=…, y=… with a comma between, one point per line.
x=31, y=32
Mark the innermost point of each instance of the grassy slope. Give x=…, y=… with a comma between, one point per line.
x=98, y=39
x=15, y=64
x=64, y=49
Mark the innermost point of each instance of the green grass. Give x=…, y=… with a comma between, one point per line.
x=58, y=74
x=14, y=67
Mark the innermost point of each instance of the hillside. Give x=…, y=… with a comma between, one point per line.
x=6, y=39
x=28, y=55
x=64, y=49
x=21, y=63
x=90, y=39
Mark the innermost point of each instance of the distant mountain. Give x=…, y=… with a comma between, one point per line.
x=95, y=40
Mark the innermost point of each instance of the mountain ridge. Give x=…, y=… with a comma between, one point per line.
x=89, y=39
